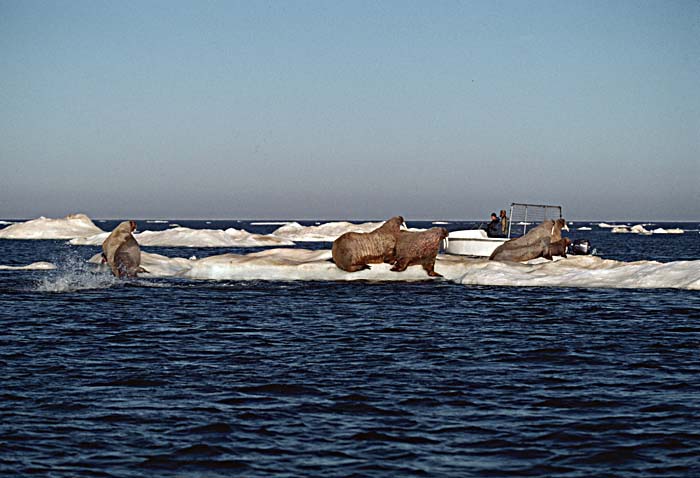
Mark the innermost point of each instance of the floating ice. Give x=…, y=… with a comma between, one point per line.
x=71, y=226
x=270, y=223
x=440, y=222
x=186, y=237
x=584, y=228
x=640, y=229
x=327, y=232
x=6, y=222
x=621, y=230
x=34, y=266
x=300, y=264
x=158, y=221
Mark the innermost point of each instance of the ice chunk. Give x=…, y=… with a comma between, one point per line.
x=35, y=266
x=71, y=226
x=284, y=264
x=639, y=229
x=327, y=232
x=186, y=237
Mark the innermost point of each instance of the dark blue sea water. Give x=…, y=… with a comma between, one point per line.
x=182, y=378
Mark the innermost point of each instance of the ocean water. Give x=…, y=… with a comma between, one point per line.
x=203, y=378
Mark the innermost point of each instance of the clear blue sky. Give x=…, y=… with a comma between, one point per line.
x=358, y=110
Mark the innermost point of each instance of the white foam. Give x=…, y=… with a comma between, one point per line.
x=34, y=266
x=71, y=226
x=283, y=264
x=327, y=232
x=186, y=237
x=74, y=274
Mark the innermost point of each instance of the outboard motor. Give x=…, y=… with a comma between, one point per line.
x=580, y=247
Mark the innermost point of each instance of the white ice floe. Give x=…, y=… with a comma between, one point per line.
x=71, y=226
x=327, y=232
x=585, y=271
x=584, y=228
x=640, y=229
x=34, y=266
x=270, y=223
x=300, y=264
x=605, y=225
x=186, y=237
x=440, y=223
x=157, y=221
x=4, y=223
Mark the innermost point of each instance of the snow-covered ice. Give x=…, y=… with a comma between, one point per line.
x=186, y=237
x=69, y=227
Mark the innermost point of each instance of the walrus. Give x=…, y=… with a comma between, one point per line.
x=558, y=248
x=419, y=248
x=121, y=251
x=352, y=251
x=536, y=243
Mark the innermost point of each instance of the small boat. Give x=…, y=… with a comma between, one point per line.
x=475, y=242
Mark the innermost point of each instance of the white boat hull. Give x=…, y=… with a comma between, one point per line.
x=471, y=243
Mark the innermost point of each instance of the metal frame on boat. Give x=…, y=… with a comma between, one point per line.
x=475, y=242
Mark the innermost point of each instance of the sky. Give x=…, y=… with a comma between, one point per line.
x=349, y=110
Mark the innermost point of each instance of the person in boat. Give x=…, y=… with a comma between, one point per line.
x=504, y=223
x=493, y=229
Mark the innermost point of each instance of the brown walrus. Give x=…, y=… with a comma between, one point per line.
x=419, y=248
x=354, y=250
x=536, y=243
x=558, y=248
x=121, y=251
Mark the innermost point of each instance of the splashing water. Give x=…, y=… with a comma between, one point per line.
x=74, y=274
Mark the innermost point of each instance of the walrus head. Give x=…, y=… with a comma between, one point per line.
x=393, y=224
x=443, y=233
x=132, y=225
x=561, y=223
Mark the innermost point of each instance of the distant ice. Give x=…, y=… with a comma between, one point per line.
x=270, y=223
x=584, y=228
x=605, y=225
x=69, y=227
x=6, y=222
x=327, y=232
x=440, y=222
x=186, y=237
x=300, y=264
x=640, y=229
x=35, y=266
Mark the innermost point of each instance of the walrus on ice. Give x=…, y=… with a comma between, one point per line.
x=536, y=243
x=422, y=247
x=352, y=251
x=121, y=251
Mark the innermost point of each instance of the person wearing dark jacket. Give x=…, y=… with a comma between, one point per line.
x=494, y=227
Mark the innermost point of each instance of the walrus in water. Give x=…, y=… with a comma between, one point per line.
x=536, y=243
x=121, y=251
x=352, y=251
x=419, y=248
